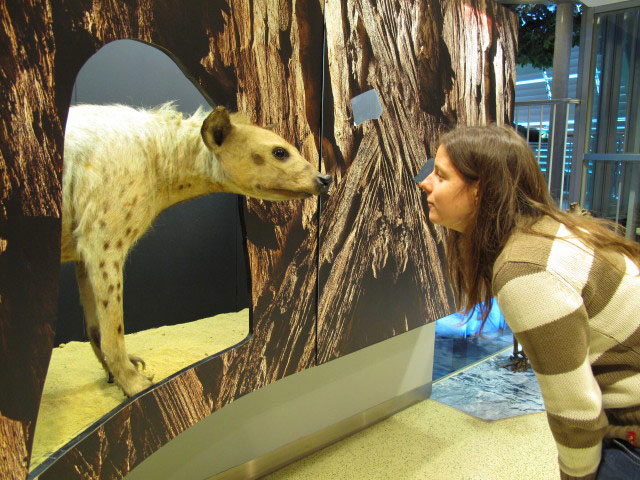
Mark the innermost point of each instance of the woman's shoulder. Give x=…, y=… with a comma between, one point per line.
x=547, y=245
x=531, y=245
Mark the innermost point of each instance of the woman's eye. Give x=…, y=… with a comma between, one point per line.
x=280, y=153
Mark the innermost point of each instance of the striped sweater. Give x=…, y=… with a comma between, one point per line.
x=577, y=317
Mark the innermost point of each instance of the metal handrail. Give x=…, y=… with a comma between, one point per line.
x=553, y=127
x=612, y=157
x=552, y=101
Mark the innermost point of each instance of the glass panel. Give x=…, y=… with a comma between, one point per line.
x=599, y=42
x=612, y=185
x=630, y=103
x=459, y=342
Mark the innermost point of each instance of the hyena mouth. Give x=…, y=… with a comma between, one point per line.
x=282, y=193
x=290, y=193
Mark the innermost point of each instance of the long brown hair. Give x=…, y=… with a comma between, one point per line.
x=512, y=194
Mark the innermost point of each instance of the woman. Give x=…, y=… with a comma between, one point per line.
x=568, y=286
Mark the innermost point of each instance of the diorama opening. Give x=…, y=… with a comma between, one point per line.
x=185, y=290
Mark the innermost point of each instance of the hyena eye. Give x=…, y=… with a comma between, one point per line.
x=280, y=153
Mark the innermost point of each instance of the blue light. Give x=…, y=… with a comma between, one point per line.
x=540, y=80
x=454, y=326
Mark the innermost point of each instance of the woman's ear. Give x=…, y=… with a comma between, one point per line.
x=476, y=188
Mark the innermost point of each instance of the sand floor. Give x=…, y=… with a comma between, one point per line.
x=76, y=392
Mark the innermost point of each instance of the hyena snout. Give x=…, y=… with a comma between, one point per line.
x=324, y=182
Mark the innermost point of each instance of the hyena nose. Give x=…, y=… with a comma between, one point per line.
x=324, y=181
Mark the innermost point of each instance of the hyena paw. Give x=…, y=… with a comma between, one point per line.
x=137, y=361
x=135, y=384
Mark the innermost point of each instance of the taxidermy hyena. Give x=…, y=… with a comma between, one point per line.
x=123, y=166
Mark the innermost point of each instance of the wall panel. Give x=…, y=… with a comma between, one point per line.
x=372, y=252
x=433, y=64
x=263, y=58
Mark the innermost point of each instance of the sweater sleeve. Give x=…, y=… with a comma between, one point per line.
x=548, y=318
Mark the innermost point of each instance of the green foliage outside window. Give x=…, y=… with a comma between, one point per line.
x=536, y=34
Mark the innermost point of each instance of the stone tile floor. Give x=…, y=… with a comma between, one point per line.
x=490, y=392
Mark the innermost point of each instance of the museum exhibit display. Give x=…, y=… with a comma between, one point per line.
x=326, y=275
x=184, y=292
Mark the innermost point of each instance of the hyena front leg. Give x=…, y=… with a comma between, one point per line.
x=90, y=315
x=105, y=277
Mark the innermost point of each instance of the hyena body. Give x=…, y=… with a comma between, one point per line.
x=123, y=166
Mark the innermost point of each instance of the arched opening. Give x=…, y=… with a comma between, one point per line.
x=185, y=293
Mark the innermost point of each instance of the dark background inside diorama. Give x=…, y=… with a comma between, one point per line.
x=190, y=264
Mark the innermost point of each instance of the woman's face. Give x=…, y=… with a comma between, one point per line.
x=452, y=202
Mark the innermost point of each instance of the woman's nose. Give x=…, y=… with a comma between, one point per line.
x=425, y=184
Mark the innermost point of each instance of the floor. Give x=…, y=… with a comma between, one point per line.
x=76, y=393
x=490, y=392
x=482, y=422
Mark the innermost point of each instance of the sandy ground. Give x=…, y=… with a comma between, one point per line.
x=76, y=392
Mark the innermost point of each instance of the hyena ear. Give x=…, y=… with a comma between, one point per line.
x=216, y=127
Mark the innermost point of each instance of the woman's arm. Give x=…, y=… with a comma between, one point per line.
x=548, y=317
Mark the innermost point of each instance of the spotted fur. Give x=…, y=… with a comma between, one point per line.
x=123, y=166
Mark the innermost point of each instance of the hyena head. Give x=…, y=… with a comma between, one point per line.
x=259, y=163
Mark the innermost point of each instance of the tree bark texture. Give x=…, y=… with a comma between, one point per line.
x=262, y=58
x=433, y=64
x=380, y=274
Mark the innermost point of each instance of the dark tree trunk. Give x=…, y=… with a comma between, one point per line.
x=433, y=64
x=263, y=58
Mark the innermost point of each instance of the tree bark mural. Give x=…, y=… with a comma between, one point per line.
x=262, y=58
x=433, y=64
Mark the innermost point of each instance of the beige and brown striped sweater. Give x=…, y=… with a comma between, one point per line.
x=577, y=318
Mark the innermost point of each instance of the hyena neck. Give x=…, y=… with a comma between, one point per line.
x=190, y=170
